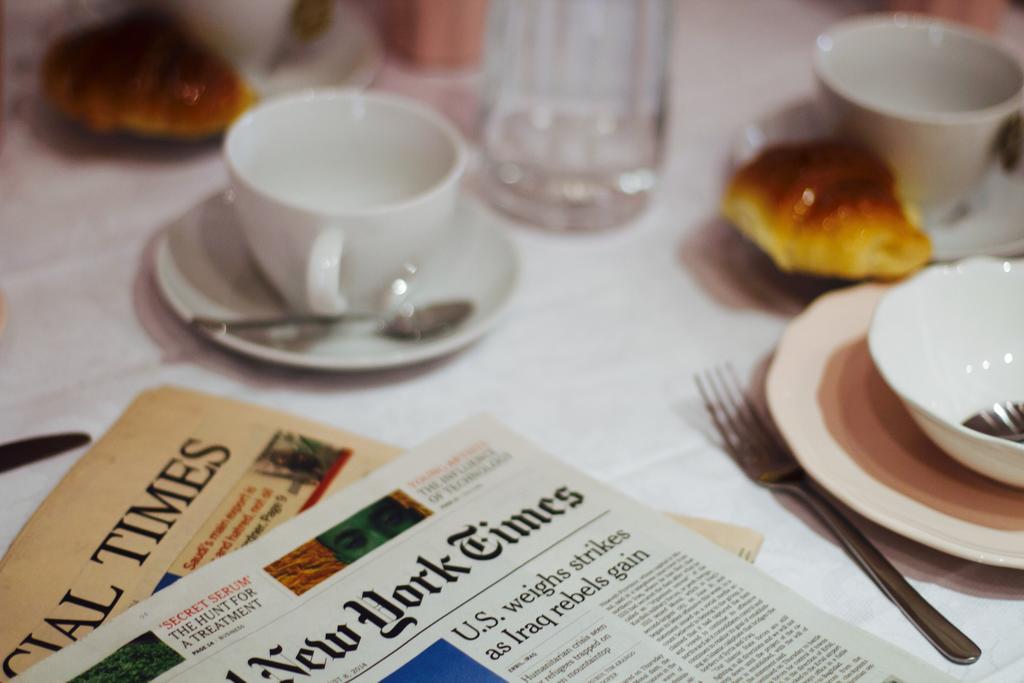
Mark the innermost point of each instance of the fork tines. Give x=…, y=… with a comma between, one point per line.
x=1010, y=413
x=748, y=436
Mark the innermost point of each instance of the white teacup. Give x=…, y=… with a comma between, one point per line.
x=246, y=32
x=340, y=192
x=928, y=96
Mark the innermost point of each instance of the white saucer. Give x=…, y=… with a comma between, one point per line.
x=853, y=435
x=203, y=268
x=349, y=54
x=993, y=227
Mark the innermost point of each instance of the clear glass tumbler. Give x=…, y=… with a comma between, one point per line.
x=574, y=108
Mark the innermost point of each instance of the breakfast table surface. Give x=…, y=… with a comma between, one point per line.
x=593, y=359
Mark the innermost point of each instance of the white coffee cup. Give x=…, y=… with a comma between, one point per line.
x=340, y=192
x=246, y=32
x=928, y=96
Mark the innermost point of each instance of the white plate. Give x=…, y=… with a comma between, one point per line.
x=348, y=54
x=853, y=435
x=994, y=226
x=203, y=268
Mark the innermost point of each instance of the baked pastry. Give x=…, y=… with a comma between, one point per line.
x=142, y=74
x=826, y=208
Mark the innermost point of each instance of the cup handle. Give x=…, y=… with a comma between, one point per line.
x=1010, y=142
x=323, y=273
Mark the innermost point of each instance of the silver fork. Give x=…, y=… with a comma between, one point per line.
x=760, y=451
x=1004, y=420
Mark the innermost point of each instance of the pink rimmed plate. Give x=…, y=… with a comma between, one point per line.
x=852, y=434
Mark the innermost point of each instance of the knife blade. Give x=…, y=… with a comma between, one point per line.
x=24, y=451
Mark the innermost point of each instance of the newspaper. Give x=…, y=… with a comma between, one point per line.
x=477, y=557
x=741, y=541
x=121, y=498
x=180, y=479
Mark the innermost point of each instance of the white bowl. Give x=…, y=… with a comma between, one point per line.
x=950, y=341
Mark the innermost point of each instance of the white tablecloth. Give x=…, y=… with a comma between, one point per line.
x=593, y=360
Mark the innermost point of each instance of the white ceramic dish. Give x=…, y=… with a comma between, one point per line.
x=853, y=435
x=349, y=54
x=247, y=32
x=339, y=190
x=994, y=225
x=950, y=341
x=928, y=96
x=204, y=269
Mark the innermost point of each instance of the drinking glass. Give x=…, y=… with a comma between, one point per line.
x=574, y=108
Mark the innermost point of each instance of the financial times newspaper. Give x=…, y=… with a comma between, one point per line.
x=476, y=557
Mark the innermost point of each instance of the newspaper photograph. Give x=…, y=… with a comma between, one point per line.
x=477, y=557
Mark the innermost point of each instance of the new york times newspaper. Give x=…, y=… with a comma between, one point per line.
x=477, y=557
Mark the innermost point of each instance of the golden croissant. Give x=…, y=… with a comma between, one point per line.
x=826, y=208
x=142, y=74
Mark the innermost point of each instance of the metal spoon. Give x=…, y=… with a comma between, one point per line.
x=408, y=322
x=1004, y=420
